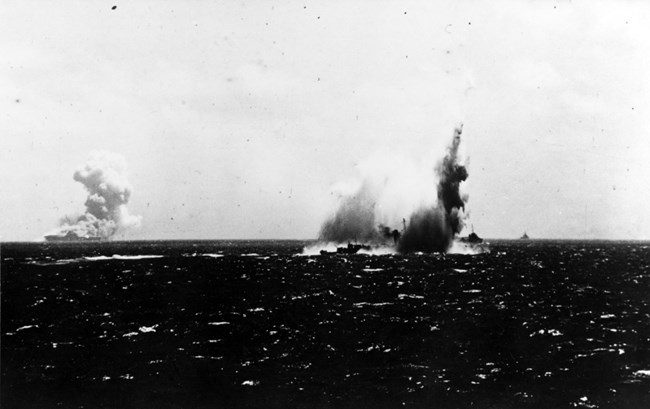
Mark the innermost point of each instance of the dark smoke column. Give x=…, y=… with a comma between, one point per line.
x=433, y=229
x=354, y=219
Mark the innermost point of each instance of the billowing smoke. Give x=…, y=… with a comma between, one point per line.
x=355, y=218
x=433, y=229
x=105, y=178
x=435, y=216
x=388, y=233
x=451, y=175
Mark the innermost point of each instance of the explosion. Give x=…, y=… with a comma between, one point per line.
x=354, y=219
x=433, y=229
x=105, y=178
x=430, y=228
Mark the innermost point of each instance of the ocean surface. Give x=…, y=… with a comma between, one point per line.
x=256, y=324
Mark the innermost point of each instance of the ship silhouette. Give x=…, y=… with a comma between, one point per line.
x=472, y=238
x=349, y=249
x=71, y=236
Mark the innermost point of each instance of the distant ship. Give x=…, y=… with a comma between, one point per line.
x=71, y=236
x=524, y=237
x=350, y=249
x=472, y=238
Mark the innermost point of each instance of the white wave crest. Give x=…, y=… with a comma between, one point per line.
x=459, y=247
x=212, y=255
x=120, y=257
x=379, y=251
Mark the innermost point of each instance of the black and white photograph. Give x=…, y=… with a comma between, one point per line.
x=364, y=204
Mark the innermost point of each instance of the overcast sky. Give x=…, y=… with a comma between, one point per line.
x=241, y=119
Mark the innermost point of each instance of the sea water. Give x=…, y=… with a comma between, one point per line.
x=254, y=324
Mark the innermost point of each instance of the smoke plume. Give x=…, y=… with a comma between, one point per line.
x=105, y=178
x=355, y=218
x=435, y=216
x=433, y=229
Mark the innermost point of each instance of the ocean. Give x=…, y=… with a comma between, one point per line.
x=257, y=324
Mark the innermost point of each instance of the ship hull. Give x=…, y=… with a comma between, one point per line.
x=68, y=238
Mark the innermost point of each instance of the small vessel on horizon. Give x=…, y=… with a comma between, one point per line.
x=472, y=238
x=349, y=249
x=524, y=237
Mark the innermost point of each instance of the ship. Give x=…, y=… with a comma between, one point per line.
x=472, y=238
x=524, y=237
x=349, y=249
x=71, y=236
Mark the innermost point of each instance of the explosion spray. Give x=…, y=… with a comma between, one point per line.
x=105, y=178
x=355, y=218
x=433, y=229
x=430, y=228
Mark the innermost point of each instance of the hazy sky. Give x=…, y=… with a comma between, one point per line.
x=243, y=119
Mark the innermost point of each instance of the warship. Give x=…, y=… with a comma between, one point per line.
x=472, y=238
x=71, y=236
x=349, y=249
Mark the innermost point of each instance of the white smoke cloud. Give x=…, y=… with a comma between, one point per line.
x=363, y=203
x=398, y=193
x=389, y=187
x=105, y=178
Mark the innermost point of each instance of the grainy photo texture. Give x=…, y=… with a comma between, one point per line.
x=308, y=204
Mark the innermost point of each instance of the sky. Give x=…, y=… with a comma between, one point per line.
x=249, y=119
